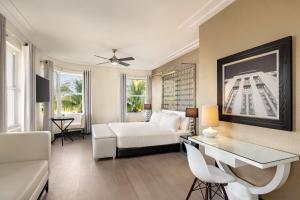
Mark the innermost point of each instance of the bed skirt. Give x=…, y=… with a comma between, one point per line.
x=140, y=151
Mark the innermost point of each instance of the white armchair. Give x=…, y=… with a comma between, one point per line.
x=24, y=164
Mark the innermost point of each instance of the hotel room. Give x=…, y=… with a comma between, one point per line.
x=142, y=100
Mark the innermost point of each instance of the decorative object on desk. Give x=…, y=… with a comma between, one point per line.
x=255, y=86
x=192, y=113
x=148, y=109
x=210, y=118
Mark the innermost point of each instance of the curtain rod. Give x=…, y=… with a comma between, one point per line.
x=66, y=69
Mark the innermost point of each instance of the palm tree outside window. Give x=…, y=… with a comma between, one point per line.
x=68, y=93
x=136, y=94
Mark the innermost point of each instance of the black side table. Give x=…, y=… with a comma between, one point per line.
x=61, y=126
x=185, y=139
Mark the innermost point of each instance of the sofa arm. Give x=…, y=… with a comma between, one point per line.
x=25, y=146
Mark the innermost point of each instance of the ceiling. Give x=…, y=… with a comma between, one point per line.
x=152, y=31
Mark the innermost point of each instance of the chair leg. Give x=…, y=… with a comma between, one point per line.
x=47, y=187
x=224, y=192
x=206, y=191
x=191, y=189
x=209, y=191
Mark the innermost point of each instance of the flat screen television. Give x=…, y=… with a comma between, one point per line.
x=42, y=89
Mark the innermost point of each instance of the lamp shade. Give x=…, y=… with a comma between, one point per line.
x=191, y=112
x=210, y=116
x=147, y=106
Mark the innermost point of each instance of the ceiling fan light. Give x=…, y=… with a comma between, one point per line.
x=114, y=63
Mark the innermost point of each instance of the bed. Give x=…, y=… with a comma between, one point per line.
x=160, y=135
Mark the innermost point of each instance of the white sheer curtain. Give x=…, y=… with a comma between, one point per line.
x=48, y=106
x=3, y=92
x=123, y=95
x=87, y=101
x=28, y=57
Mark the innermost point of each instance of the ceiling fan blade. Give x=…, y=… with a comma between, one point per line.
x=124, y=64
x=102, y=63
x=101, y=57
x=125, y=59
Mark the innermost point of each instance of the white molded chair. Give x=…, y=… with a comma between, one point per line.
x=208, y=177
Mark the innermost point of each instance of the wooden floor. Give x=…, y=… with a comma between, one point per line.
x=75, y=175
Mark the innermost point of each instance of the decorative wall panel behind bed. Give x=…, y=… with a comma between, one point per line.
x=179, y=88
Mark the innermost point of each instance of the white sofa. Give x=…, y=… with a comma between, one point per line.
x=24, y=165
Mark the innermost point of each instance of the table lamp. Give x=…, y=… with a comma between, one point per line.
x=148, y=108
x=210, y=118
x=192, y=113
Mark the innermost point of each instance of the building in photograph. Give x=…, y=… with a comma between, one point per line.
x=252, y=94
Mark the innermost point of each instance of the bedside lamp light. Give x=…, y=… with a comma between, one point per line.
x=192, y=113
x=210, y=118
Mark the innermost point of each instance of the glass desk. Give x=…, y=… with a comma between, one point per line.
x=259, y=156
x=234, y=153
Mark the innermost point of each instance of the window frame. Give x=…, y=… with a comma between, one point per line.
x=130, y=78
x=57, y=92
x=15, y=87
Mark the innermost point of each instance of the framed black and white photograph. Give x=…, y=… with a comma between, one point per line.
x=255, y=86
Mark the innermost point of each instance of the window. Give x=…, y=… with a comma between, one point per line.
x=12, y=56
x=68, y=93
x=136, y=94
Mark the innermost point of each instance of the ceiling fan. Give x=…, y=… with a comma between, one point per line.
x=114, y=60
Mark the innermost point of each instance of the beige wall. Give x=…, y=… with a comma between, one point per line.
x=243, y=25
x=191, y=57
x=106, y=93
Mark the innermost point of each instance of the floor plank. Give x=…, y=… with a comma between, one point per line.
x=76, y=176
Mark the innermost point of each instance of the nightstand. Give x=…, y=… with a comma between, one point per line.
x=185, y=139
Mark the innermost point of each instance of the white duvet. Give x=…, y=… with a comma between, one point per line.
x=142, y=134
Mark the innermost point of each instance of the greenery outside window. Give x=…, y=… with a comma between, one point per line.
x=68, y=93
x=136, y=94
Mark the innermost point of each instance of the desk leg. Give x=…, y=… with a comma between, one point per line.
x=246, y=191
x=62, y=134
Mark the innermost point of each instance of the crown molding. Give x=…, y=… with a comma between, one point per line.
x=213, y=9
x=184, y=50
x=209, y=9
x=16, y=18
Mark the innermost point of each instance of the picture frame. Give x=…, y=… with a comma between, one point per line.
x=254, y=87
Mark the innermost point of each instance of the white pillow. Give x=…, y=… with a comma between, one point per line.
x=185, y=124
x=169, y=122
x=155, y=118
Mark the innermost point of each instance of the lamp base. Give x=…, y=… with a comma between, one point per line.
x=209, y=132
